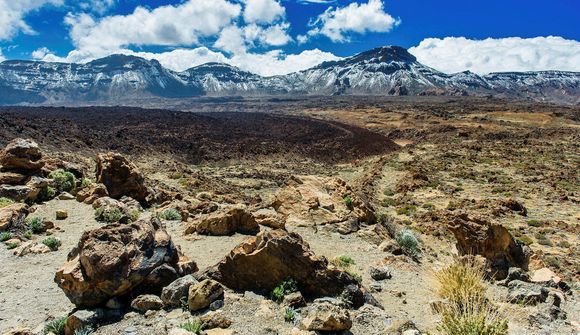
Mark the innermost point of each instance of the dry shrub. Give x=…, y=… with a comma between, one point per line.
x=461, y=281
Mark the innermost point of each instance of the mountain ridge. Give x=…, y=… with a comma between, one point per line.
x=388, y=70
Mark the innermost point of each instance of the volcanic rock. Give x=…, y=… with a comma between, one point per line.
x=284, y=255
x=226, y=222
x=147, y=302
x=173, y=294
x=21, y=155
x=324, y=316
x=202, y=294
x=121, y=177
x=115, y=260
x=88, y=195
x=12, y=214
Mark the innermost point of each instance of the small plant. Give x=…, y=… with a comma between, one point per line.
x=46, y=194
x=564, y=244
x=5, y=202
x=525, y=239
x=355, y=275
x=290, y=314
x=55, y=326
x=286, y=287
x=5, y=236
x=194, y=327
x=389, y=192
x=473, y=318
x=543, y=239
x=535, y=223
x=107, y=214
x=170, y=214
x=64, y=180
x=84, y=331
x=388, y=202
x=553, y=262
x=11, y=245
x=27, y=234
x=408, y=242
x=35, y=224
x=52, y=242
x=348, y=202
x=343, y=262
x=461, y=281
x=407, y=209
x=85, y=182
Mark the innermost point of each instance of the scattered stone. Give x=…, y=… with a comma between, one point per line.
x=544, y=275
x=375, y=287
x=380, y=273
x=146, y=302
x=391, y=246
x=326, y=317
x=294, y=300
x=66, y=196
x=284, y=255
x=61, y=214
x=225, y=222
x=215, y=320
x=527, y=293
x=176, y=292
x=121, y=177
x=88, y=195
x=514, y=274
x=21, y=154
x=81, y=319
x=202, y=294
x=214, y=306
x=130, y=251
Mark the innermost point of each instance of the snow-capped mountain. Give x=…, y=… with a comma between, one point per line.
x=382, y=71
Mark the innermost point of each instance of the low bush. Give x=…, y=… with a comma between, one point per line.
x=5, y=202
x=407, y=209
x=11, y=245
x=170, y=214
x=461, y=281
x=64, y=180
x=106, y=214
x=46, y=194
x=348, y=202
x=343, y=261
x=285, y=287
x=474, y=318
x=408, y=242
x=5, y=236
x=52, y=242
x=35, y=224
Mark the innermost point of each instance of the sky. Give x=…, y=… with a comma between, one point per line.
x=271, y=37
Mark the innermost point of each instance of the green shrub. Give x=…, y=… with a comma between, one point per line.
x=27, y=234
x=290, y=314
x=474, y=318
x=5, y=236
x=553, y=262
x=543, y=239
x=52, y=242
x=408, y=242
x=194, y=327
x=5, y=202
x=564, y=244
x=408, y=210
x=355, y=275
x=170, y=214
x=85, y=182
x=286, y=287
x=525, y=239
x=343, y=261
x=11, y=245
x=35, y=224
x=348, y=202
x=389, y=192
x=107, y=214
x=55, y=326
x=535, y=223
x=64, y=180
x=388, y=202
x=46, y=194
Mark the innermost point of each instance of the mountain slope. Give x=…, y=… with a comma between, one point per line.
x=382, y=71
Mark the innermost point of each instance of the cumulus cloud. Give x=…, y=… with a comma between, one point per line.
x=306, y=2
x=263, y=11
x=337, y=23
x=40, y=53
x=455, y=54
x=97, y=6
x=12, y=15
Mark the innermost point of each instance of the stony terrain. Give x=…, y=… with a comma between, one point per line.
x=245, y=194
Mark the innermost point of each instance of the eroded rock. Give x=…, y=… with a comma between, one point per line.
x=225, y=222
x=202, y=294
x=21, y=155
x=324, y=316
x=121, y=177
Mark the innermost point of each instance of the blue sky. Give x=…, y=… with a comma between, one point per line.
x=272, y=36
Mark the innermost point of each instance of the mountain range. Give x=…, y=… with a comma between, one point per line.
x=386, y=70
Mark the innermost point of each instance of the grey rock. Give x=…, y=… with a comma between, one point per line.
x=528, y=293
x=174, y=293
x=380, y=272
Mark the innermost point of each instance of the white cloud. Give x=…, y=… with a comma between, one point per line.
x=184, y=24
x=12, y=13
x=263, y=11
x=97, y=6
x=306, y=2
x=236, y=39
x=2, y=56
x=338, y=23
x=455, y=54
x=40, y=53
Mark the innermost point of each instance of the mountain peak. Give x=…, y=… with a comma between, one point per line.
x=119, y=61
x=386, y=54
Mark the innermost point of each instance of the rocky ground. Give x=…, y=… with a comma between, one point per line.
x=466, y=176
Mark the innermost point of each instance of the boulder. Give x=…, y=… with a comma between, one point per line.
x=270, y=218
x=324, y=316
x=173, y=294
x=294, y=300
x=121, y=177
x=21, y=155
x=225, y=222
x=202, y=294
x=12, y=178
x=477, y=236
x=380, y=272
x=116, y=260
x=544, y=275
x=61, y=214
x=89, y=194
x=215, y=320
x=283, y=255
x=12, y=215
x=16, y=192
x=147, y=302
x=527, y=293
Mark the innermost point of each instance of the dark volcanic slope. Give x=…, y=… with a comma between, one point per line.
x=195, y=137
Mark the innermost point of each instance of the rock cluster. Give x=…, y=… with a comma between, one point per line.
x=119, y=259
x=284, y=255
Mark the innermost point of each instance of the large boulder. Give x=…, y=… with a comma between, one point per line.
x=476, y=236
x=264, y=261
x=117, y=260
x=175, y=293
x=12, y=214
x=121, y=177
x=202, y=294
x=312, y=200
x=324, y=316
x=225, y=222
x=89, y=194
x=21, y=155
